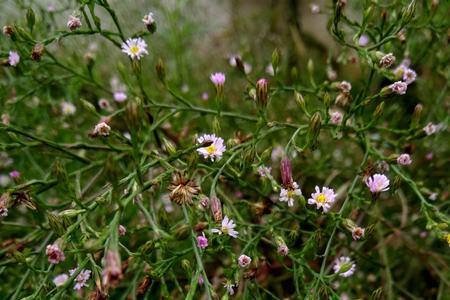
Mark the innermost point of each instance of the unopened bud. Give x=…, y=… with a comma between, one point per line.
x=169, y=146
x=8, y=30
x=216, y=209
x=216, y=125
x=286, y=172
x=327, y=99
x=37, y=52
x=379, y=110
x=160, y=70
x=300, y=101
x=416, y=115
x=275, y=59
x=262, y=93
x=181, y=232
x=408, y=12
x=186, y=265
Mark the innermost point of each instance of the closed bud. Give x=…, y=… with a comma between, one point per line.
x=88, y=106
x=160, y=70
x=416, y=115
x=327, y=99
x=147, y=248
x=31, y=18
x=112, y=270
x=216, y=125
x=310, y=66
x=275, y=59
x=216, y=208
x=71, y=212
x=55, y=224
x=169, y=146
x=408, y=12
x=186, y=265
x=262, y=93
x=286, y=172
x=300, y=101
x=240, y=64
x=266, y=154
x=379, y=110
x=133, y=113
x=182, y=231
x=37, y=52
x=315, y=123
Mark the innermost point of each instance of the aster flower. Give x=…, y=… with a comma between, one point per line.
x=55, y=254
x=60, y=279
x=283, y=250
x=288, y=194
x=73, y=23
x=363, y=40
x=120, y=96
x=182, y=190
x=218, y=79
x=430, y=128
x=68, y=108
x=81, y=279
x=244, y=261
x=409, y=76
x=112, y=271
x=358, y=232
x=387, y=60
x=14, y=174
x=226, y=228
x=135, y=48
x=345, y=87
x=230, y=287
x=202, y=241
x=399, y=87
x=214, y=150
x=336, y=117
x=344, y=266
x=322, y=199
x=13, y=58
x=377, y=183
x=122, y=230
x=149, y=22
x=102, y=129
x=264, y=171
x=404, y=159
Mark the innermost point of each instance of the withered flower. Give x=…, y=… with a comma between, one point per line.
x=182, y=190
x=112, y=272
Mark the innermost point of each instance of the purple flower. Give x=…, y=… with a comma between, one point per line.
x=14, y=58
x=283, y=250
x=377, y=183
x=218, y=79
x=73, y=23
x=14, y=174
x=120, y=96
x=409, y=76
x=399, y=87
x=404, y=159
x=363, y=40
x=244, y=261
x=202, y=241
x=81, y=279
x=322, y=199
x=55, y=254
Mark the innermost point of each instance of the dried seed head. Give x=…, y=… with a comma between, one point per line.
x=182, y=190
x=37, y=52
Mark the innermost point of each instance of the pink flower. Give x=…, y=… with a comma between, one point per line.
x=214, y=150
x=363, y=40
x=358, y=232
x=218, y=79
x=345, y=87
x=112, y=271
x=322, y=199
x=399, y=87
x=120, y=96
x=409, y=76
x=55, y=254
x=205, y=96
x=73, y=23
x=404, y=159
x=60, y=279
x=14, y=58
x=377, y=183
x=202, y=241
x=81, y=279
x=244, y=261
x=14, y=174
x=122, y=230
x=430, y=128
x=286, y=172
x=283, y=250
x=200, y=280
x=336, y=117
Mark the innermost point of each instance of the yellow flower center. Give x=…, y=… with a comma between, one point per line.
x=134, y=49
x=321, y=198
x=448, y=239
x=224, y=230
x=290, y=193
x=211, y=149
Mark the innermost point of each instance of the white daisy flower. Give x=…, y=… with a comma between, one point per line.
x=323, y=199
x=288, y=194
x=230, y=287
x=68, y=108
x=135, y=48
x=344, y=266
x=226, y=228
x=213, y=151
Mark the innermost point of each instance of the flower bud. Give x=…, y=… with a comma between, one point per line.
x=31, y=18
x=112, y=270
x=182, y=231
x=160, y=70
x=275, y=59
x=169, y=146
x=408, y=12
x=416, y=115
x=286, y=172
x=300, y=101
x=310, y=67
x=379, y=110
x=186, y=265
x=150, y=22
x=262, y=93
x=37, y=52
x=216, y=209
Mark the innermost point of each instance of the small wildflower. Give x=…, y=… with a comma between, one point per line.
x=344, y=266
x=55, y=254
x=230, y=287
x=68, y=108
x=398, y=87
x=322, y=199
x=102, y=129
x=377, y=183
x=112, y=271
x=404, y=159
x=409, y=76
x=387, y=60
x=81, y=279
x=214, y=150
x=202, y=241
x=430, y=128
x=149, y=21
x=135, y=48
x=244, y=261
x=336, y=117
x=14, y=58
x=270, y=70
x=120, y=96
x=14, y=174
x=104, y=104
x=60, y=279
x=205, y=96
x=289, y=193
x=182, y=190
x=73, y=23
x=122, y=230
x=315, y=9
x=283, y=250
x=345, y=87
x=358, y=232
x=218, y=79
x=264, y=171
x=363, y=40
x=433, y=196
x=216, y=209
x=226, y=228
x=200, y=280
